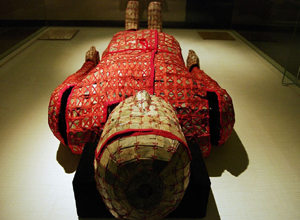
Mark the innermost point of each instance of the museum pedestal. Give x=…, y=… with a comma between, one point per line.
x=88, y=200
x=89, y=203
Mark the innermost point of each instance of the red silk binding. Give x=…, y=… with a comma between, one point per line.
x=139, y=60
x=55, y=99
x=227, y=117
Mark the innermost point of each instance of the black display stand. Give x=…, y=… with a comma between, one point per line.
x=89, y=203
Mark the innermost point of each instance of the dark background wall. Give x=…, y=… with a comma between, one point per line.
x=209, y=13
x=227, y=14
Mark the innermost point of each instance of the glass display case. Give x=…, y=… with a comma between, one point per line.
x=271, y=27
x=20, y=22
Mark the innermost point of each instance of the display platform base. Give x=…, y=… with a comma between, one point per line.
x=89, y=203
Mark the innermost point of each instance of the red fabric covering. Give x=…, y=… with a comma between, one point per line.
x=55, y=99
x=227, y=117
x=134, y=61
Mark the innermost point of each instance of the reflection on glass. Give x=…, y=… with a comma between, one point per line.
x=20, y=20
x=270, y=26
x=292, y=69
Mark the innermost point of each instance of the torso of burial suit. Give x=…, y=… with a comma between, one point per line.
x=134, y=61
